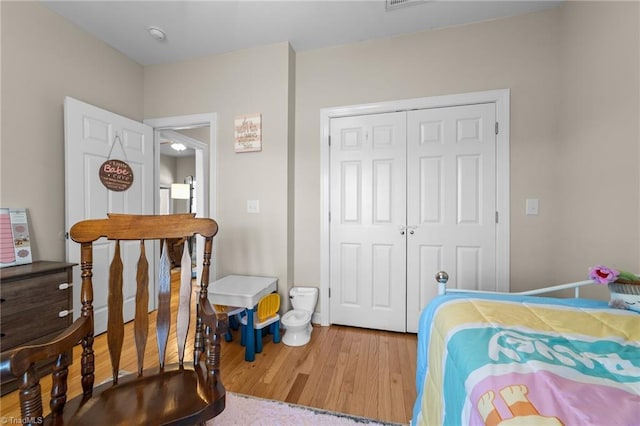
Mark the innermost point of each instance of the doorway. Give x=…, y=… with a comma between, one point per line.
x=197, y=133
x=178, y=172
x=401, y=312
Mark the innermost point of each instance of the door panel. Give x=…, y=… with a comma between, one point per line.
x=451, y=201
x=430, y=190
x=90, y=139
x=368, y=205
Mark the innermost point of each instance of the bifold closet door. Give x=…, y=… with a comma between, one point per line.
x=451, y=195
x=368, y=214
x=412, y=193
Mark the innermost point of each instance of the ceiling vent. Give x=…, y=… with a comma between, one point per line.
x=397, y=4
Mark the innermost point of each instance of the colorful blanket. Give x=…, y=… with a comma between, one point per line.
x=527, y=360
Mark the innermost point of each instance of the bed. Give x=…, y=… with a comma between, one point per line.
x=508, y=359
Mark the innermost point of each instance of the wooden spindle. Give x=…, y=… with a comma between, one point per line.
x=59, y=384
x=163, y=320
x=184, y=303
x=198, y=341
x=115, y=327
x=141, y=325
x=30, y=397
x=87, y=360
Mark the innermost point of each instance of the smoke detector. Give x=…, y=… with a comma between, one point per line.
x=397, y=4
x=157, y=33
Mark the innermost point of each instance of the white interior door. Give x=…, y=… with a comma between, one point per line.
x=90, y=133
x=368, y=211
x=451, y=213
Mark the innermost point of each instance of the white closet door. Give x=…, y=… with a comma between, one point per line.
x=451, y=175
x=368, y=213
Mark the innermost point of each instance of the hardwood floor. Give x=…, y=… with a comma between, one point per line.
x=357, y=371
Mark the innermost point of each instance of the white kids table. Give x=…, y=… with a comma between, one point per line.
x=244, y=291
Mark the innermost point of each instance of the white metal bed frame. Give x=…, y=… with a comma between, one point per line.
x=442, y=277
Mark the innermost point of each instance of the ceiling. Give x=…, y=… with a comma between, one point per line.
x=168, y=137
x=165, y=149
x=199, y=28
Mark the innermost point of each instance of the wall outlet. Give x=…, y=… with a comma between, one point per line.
x=253, y=206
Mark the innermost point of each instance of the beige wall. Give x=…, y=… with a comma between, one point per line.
x=246, y=81
x=558, y=64
x=572, y=71
x=44, y=59
x=597, y=169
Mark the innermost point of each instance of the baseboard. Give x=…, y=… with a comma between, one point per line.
x=316, y=318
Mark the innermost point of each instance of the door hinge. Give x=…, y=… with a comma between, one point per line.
x=497, y=217
x=329, y=292
x=497, y=128
x=329, y=140
x=329, y=217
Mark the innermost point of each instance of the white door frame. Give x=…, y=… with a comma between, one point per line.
x=501, y=99
x=205, y=162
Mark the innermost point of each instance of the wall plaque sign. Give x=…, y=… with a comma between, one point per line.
x=248, y=133
x=116, y=175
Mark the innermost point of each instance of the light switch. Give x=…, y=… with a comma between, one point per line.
x=532, y=206
x=253, y=206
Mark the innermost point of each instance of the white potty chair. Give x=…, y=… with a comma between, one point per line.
x=297, y=322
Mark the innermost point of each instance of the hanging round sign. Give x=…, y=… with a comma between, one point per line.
x=116, y=175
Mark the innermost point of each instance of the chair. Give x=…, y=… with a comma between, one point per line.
x=183, y=393
x=233, y=312
x=267, y=316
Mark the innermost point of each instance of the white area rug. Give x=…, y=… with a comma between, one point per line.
x=251, y=411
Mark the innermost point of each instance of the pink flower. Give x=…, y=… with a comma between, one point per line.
x=603, y=275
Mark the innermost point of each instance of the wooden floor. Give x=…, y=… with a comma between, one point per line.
x=351, y=370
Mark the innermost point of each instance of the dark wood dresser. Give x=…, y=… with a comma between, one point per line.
x=36, y=305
